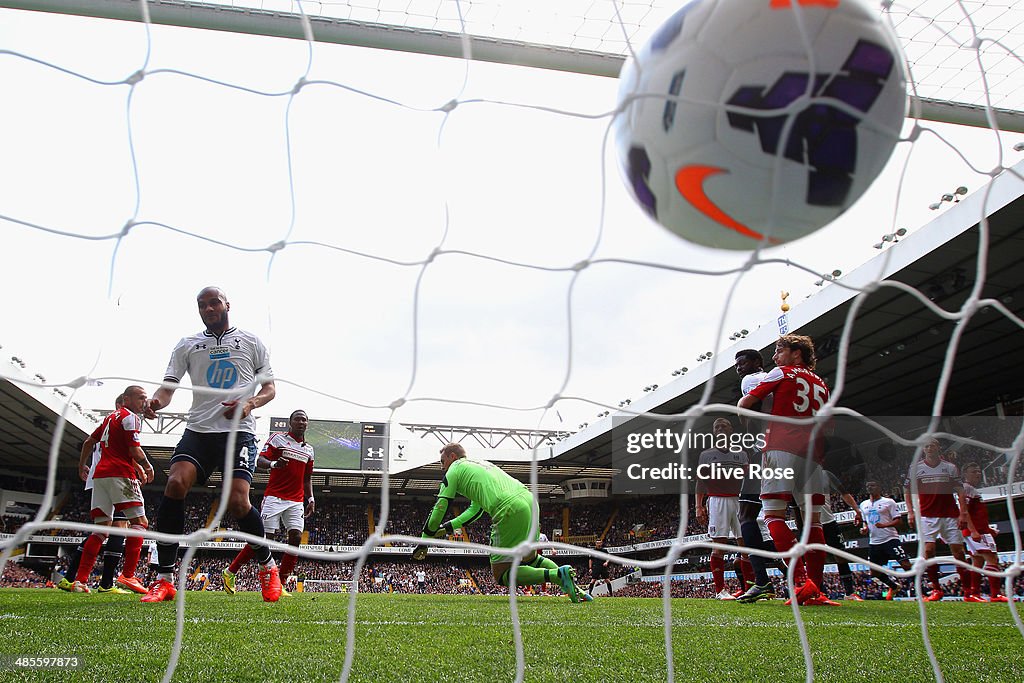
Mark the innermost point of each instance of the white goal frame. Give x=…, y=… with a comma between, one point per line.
x=280, y=24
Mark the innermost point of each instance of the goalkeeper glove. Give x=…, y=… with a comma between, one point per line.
x=445, y=529
x=420, y=553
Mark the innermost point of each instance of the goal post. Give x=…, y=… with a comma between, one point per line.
x=258, y=20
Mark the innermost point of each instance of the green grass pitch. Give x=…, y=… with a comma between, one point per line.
x=411, y=638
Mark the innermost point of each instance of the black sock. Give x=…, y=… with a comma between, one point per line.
x=169, y=520
x=847, y=579
x=835, y=539
x=76, y=559
x=113, y=551
x=252, y=523
x=751, y=533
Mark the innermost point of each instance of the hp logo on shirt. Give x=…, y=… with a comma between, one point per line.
x=221, y=374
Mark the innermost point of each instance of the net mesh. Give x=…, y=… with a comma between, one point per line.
x=114, y=182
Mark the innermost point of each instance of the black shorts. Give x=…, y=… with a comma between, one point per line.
x=881, y=553
x=752, y=498
x=206, y=452
x=600, y=571
x=119, y=516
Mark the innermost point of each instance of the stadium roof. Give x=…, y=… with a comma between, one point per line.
x=896, y=352
x=897, y=346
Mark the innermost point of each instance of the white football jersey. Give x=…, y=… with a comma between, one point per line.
x=748, y=382
x=882, y=510
x=230, y=362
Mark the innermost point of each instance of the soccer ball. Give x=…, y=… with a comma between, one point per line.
x=756, y=122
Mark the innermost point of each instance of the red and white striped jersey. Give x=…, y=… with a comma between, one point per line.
x=977, y=510
x=289, y=482
x=936, y=487
x=796, y=392
x=117, y=434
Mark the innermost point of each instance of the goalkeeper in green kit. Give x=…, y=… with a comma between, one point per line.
x=511, y=507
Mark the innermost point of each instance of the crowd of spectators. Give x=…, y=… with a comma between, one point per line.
x=649, y=519
x=589, y=519
x=378, y=576
x=17, y=576
x=338, y=522
x=11, y=523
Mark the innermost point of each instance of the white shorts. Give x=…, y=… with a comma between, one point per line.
x=282, y=514
x=116, y=493
x=782, y=489
x=724, y=517
x=986, y=544
x=946, y=528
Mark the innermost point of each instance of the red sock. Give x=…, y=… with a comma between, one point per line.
x=933, y=576
x=90, y=550
x=287, y=565
x=718, y=573
x=243, y=556
x=784, y=539
x=747, y=570
x=993, y=581
x=815, y=559
x=132, y=551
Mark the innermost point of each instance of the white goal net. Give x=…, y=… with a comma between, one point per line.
x=426, y=238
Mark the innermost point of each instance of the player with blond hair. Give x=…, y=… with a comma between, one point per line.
x=980, y=540
x=797, y=392
x=512, y=509
x=115, y=483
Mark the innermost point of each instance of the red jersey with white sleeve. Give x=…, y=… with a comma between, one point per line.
x=977, y=511
x=117, y=434
x=935, y=486
x=288, y=482
x=796, y=392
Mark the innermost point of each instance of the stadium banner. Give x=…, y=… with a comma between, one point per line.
x=58, y=540
x=677, y=456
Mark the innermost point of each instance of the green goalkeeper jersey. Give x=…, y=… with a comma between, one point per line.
x=486, y=485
